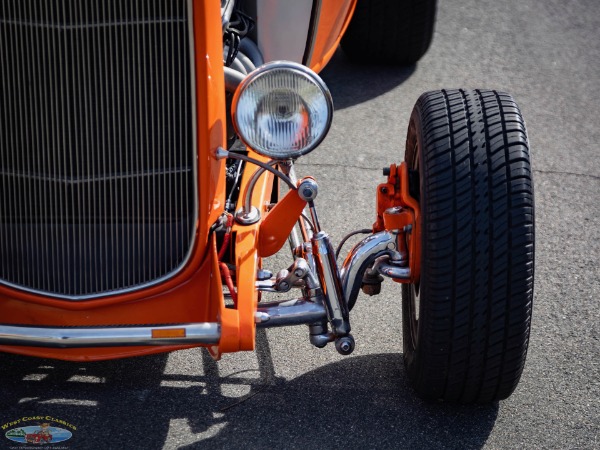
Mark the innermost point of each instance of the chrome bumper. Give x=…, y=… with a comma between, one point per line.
x=276, y=314
x=71, y=337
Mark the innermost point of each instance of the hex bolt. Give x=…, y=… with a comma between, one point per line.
x=345, y=345
x=263, y=275
x=384, y=190
x=371, y=289
x=308, y=189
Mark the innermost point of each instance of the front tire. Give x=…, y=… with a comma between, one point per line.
x=466, y=323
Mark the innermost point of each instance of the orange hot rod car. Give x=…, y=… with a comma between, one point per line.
x=147, y=169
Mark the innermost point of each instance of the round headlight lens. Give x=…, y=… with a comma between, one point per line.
x=282, y=110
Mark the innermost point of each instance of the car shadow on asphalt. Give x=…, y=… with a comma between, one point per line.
x=351, y=84
x=358, y=402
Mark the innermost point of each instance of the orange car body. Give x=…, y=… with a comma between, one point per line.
x=195, y=293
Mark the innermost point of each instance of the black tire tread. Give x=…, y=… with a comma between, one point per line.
x=477, y=275
x=390, y=31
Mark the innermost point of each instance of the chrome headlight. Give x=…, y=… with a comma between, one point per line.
x=282, y=110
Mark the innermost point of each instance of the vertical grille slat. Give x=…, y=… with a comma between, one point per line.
x=97, y=158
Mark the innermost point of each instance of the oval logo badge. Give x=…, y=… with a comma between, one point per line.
x=39, y=434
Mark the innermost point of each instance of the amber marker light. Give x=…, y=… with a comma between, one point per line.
x=168, y=333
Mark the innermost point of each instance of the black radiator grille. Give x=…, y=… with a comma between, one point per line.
x=97, y=154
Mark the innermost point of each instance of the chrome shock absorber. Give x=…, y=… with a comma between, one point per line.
x=329, y=278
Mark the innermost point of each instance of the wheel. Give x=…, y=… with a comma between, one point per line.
x=466, y=322
x=390, y=31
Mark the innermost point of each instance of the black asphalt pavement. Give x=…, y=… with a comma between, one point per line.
x=289, y=394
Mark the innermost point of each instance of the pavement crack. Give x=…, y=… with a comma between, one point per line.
x=347, y=166
x=562, y=172
x=351, y=166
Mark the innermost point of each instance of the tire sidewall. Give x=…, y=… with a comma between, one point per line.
x=414, y=143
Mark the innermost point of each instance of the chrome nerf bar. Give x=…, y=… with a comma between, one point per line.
x=190, y=333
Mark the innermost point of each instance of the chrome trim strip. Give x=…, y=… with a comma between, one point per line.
x=195, y=333
x=194, y=126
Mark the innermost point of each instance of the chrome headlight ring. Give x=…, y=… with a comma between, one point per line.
x=282, y=110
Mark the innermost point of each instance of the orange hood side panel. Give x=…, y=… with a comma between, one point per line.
x=333, y=20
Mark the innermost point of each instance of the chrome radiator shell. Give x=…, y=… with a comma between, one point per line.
x=98, y=164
